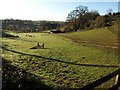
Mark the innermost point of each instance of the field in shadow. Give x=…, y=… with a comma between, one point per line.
x=16, y=78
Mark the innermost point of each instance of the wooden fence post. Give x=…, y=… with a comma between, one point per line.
x=117, y=79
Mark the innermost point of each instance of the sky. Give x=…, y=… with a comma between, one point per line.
x=50, y=10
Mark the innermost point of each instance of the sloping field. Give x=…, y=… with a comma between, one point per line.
x=61, y=64
x=104, y=37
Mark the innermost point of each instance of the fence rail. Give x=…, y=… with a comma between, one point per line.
x=104, y=79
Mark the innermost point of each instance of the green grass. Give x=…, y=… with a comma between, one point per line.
x=102, y=37
x=62, y=63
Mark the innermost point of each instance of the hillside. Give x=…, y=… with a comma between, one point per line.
x=54, y=46
x=106, y=37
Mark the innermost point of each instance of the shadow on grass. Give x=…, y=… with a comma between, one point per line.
x=62, y=61
x=39, y=48
x=16, y=78
x=6, y=35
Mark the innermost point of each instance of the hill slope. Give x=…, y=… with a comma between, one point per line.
x=102, y=37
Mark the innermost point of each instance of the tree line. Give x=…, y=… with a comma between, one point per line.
x=79, y=19
x=83, y=19
x=29, y=25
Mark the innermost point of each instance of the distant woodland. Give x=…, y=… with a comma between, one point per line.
x=79, y=19
x=28, y=25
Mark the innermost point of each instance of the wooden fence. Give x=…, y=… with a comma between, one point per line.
x=104, y=79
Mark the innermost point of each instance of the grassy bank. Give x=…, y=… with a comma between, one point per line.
x=103, y=37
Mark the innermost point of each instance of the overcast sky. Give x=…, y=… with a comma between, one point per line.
x=49, y=10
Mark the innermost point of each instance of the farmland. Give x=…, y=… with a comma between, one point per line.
x=63, y=63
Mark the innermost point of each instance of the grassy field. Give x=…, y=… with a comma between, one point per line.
x=106, y=38
x=62, y=63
